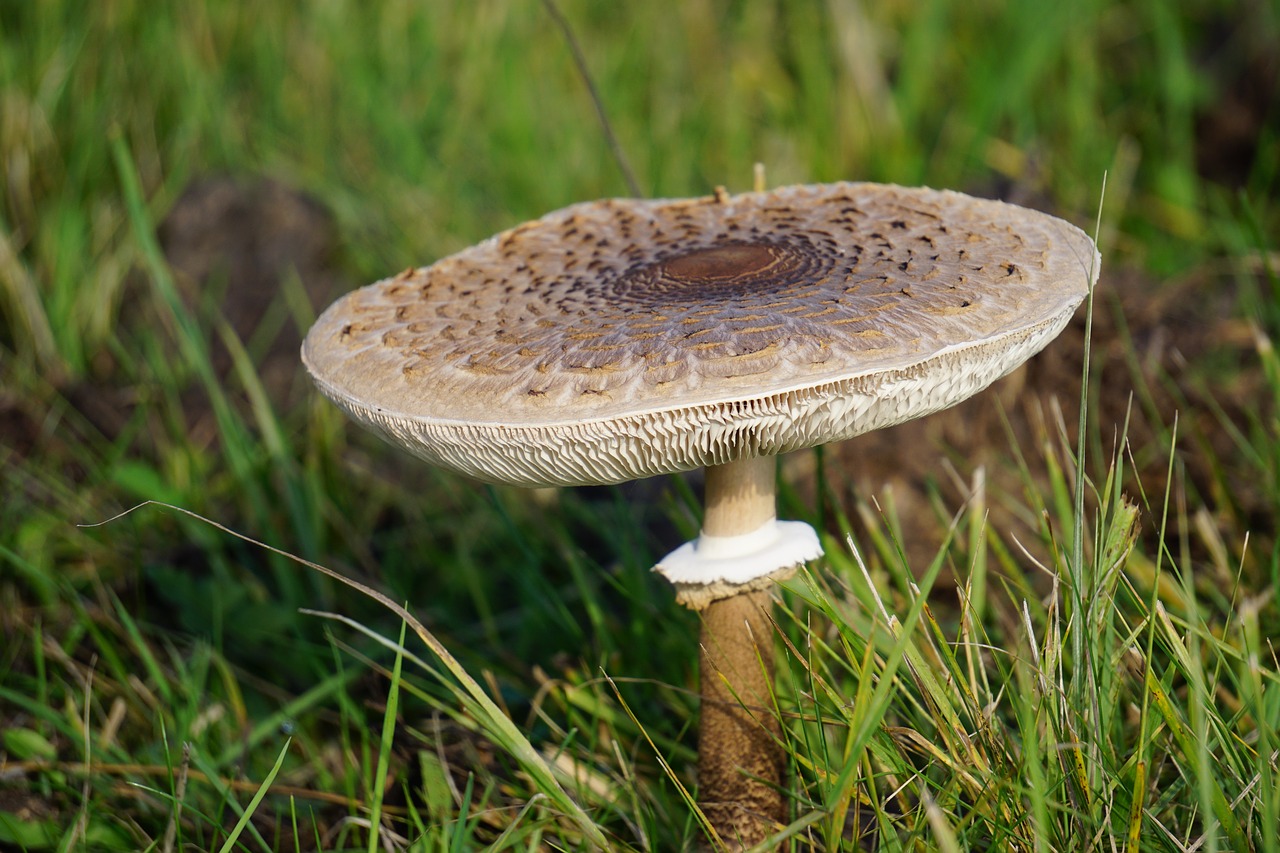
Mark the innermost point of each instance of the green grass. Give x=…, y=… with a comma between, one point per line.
x=1109, y=681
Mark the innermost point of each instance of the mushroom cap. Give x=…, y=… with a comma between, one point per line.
x=621, y=339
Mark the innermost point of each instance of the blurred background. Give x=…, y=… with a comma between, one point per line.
x=187, y=184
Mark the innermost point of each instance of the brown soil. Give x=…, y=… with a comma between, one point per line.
x=236, y=242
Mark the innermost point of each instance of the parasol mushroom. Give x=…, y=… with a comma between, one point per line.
x=622, y=339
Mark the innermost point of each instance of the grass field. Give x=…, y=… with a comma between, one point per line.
x=187, y=184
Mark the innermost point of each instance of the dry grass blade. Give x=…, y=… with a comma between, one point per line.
x=579, y=60
x=501, y=725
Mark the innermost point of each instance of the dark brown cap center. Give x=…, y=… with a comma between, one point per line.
x=720, y=263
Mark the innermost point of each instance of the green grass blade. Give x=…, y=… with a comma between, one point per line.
x=384, y=748
x=499, y=724
x=247, y=813
x=1190, y=751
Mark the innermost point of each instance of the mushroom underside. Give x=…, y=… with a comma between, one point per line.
x=648, y=443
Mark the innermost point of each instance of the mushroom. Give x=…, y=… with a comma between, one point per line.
x=622, y=339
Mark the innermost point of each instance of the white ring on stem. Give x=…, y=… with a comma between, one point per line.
x=738, y=559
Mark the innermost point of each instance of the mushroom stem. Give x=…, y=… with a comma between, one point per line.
x=739, y=496
x=740, y=759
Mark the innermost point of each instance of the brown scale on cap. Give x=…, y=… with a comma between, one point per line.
x=619, y=309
